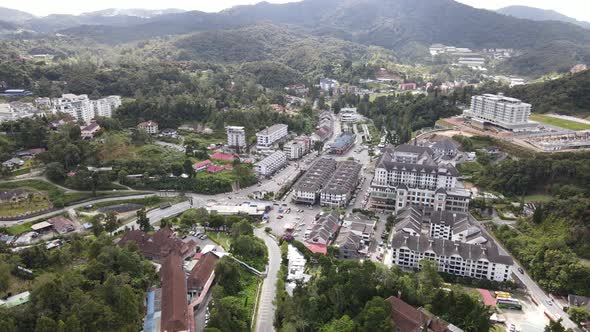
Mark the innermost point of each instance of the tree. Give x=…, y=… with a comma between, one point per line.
x=188, y=168
x=538, y=214
x=45, y=324
x=229, y=314
x=55, y=172
x=143, y=221
x=375, y=316
x=242, y=228
x=318, y=145
x=344, y=324
x=555, y=326
x=4, y=276
x=111, y=222
x=578, y=314
x=228, y=273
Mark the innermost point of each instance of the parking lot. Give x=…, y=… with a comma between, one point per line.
x=530, y=319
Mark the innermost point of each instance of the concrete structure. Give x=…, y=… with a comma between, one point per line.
x=338, y=190
x=150, y=127
x=407, y=175
x=253, y=210
x=17, y=110
x=266, y=138
x=271, y=164
x=297, y=148
x=498, y=110
x=236, y=137
x=320, y=234
x=463, y=259
x=307, y=189
x=81, y=107
x=348, y=115
x=409, y=319
x=568, y=141
x=326, y=84
x=104, y=107
x=89, y=131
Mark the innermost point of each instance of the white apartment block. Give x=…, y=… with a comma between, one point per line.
x=266, y=138
x=348, y=115
x=508, y=113
x=338, y=190
x=307, y=189
x=463, y=259
x=271, y=164
x=150, y=127
x=17, y=110
x=81, y=107
x=293, y=150
x=407, y=176
x=236, y=136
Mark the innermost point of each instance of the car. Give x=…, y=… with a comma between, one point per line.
x=197, y=234
x=89, y=206
x=549, y=302
x=184, y=236
x=280, y=217
x=204, y=237
x=381, y=244
x=520, y=270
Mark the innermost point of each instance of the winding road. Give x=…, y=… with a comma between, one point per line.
x=266, y=305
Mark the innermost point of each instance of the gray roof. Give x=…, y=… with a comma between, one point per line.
x=7, y=195
x=410, y=148
x=388, y=161
x=445, y=145
x=316, y=176
x=409, y=217
x=344, y=179
x=325, y=227
x=271, y=129
x=448, y=248
x=343, y=140
x=457, y=221
x=348, y=240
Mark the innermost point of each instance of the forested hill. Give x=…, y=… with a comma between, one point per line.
x=570, y=94
x=538, y=14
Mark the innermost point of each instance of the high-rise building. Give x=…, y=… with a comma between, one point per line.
x=501, y=111
x=266, y=138
x=81, y=107
x=236, y=137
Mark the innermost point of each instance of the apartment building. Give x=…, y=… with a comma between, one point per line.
x=81, y=107
x=17, y=110
x=150, y=127
x=236, y=137
x=463, y=259
x=348, y=115
x=266, y=138
x=307, y=189
x=407, y=175
x=271, y=164
x=297, y=148
x=104, y=107
x=338, y=191
x=501, y=111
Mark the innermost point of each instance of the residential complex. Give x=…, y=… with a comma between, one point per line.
x=319, y=235
x=407, y=318
x=266, y=138
x=407, y=175
x=17, y=110
x=338, y=191
x=498, y=110
x=325, y=127
x=150, y=127
x=355, y=236
x=80, y=107
x=348, y=115
x=269, y=165
x=307, y=189
x=236, y=137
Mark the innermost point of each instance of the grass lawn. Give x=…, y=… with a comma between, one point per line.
x=33, y=184
x=377, y=95
x=221, y=238
x=537, y=198
x=562, y=123
x=19, y=229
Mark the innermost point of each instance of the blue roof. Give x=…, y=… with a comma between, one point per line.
x=343, y=140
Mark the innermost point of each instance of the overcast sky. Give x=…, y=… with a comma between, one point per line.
x=579, y=9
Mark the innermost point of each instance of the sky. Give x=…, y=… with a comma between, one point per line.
x=579, y=9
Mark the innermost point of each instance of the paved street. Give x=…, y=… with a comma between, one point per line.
x=266, y=306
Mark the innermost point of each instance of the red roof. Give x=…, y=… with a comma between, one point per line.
x=147, y=124
x=409, y=319
x=174, y=300
x=158, y=245
x=202, y=271
x=222, y=156
x=202, y=164
x=218, y=168
x=317, y=248
x=488, y=299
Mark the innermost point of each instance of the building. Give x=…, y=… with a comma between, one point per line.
x=407, y=175
x=202, y=275
x=202, y=165
x=342, y=143
x=409, y=319
x=150, y=127
x=266, y=138
x=338, y=190
x=223, y=156
x=473, y=62
x=348, y=115
x=297, y=148
x=307, y=189
x=320, y=234
x=80, y=107
x=17, y=110
x=174, y=295
x=297, y=90
x=354, y=236
x=327, y=84
x=89, y=131
x=16, y=93
x=158, y=245
x=13, y=196
x=463, y=259
x=498, y=110
x=62, y=225
x=349, y=245
x=152, y=320
x=236, y=137
x=361, y=225
x=271, y=164
x=13, y=163
x=445, y=148
x=407, y=87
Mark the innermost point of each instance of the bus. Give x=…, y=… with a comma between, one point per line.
x=502, y=294
x=508, y=303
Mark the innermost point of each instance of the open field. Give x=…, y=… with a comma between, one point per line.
x=537, y=198
x=220, y=238
x=557, y=122
x=377, y=95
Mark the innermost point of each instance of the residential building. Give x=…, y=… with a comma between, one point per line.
x=407, y=86
x=295, y=269
x=17, y=110
x=361, y=225
x=202, y=275
x=407, y=175
x=174, y=295
x=327, y=84
x=297, y=90
x=152, y=319
x=342, y=143
x=307, y=189
x=62, y=225
x=223, y=156
x=16, y=93
x=150, y=127
x=321, y=233
x=202, y=165
x=13, y=163
x=271, y=164
x=463, y=259
x=338, y=190
x=158, y=245
x=266, y=138
x=89, y=131
x=406, y=318
x=473, y=62
x=293, y=150
x=104, y=107
x=236, y=137
x=501, y=111
x=13, y=196
x=348, y=115
x=81, y=107
x=349, y=245
x=445, y=148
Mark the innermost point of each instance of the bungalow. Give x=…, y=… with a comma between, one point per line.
x=214, y=169
x=407, y=86
x=62, y=225
x=202, y=165
x=321, y=233
x=30, y=153
x=89, y=131
x=12, y=163
x=223, y=156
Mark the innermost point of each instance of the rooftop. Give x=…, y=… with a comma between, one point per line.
x=174, y=294
x=272, y=129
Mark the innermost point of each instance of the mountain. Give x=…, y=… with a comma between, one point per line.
x=556, y=56
x=537, y=14
x=139, y=12
x=14, y=16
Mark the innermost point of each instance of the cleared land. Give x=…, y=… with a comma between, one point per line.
x=557, y=122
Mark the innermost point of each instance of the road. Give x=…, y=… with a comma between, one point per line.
x=266, y=306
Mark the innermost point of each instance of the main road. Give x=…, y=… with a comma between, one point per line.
x=266, y=304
